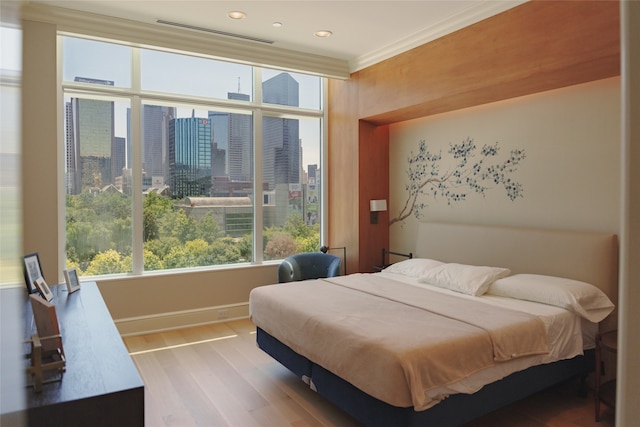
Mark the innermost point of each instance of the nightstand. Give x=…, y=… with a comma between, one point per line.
x=605, y=392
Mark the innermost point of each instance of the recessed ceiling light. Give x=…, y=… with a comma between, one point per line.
x=277, y=24
x=323, y=33
x=236, y=14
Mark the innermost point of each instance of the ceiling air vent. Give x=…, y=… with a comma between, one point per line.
x=212, y=31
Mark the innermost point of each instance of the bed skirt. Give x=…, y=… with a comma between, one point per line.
x=453, y=411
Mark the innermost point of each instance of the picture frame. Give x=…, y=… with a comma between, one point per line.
x=32, y=271
x=71, y=278
x=44, y=289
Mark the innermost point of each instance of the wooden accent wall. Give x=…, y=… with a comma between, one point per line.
x=343, y=166
x=534, y=47
x=373, y=185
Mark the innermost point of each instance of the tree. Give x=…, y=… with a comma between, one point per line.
x=280, y=246
x=152, y=261
x=162, y=247
x=224, y=251
x=245, y=246
x=108, y=262
x=309, y=244
x=208, y=229
x=467, y=175
x=295, y=226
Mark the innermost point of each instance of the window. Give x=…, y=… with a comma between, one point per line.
x=10, y=188
x=167, y=164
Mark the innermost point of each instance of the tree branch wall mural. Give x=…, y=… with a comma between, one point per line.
x=473, y=170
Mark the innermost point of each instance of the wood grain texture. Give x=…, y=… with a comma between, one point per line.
x=343, y=167
x=532, y=48
x=101, y=385
x=374, y=185
x=215, y=375
x=535, y=47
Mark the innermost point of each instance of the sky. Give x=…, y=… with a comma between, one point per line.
x=191, y=75
x=11, y=64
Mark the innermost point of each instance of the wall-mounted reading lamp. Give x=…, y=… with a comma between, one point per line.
x=324, y=249
x=376, y=206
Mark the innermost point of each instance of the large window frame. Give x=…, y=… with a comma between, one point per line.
x=137, y=97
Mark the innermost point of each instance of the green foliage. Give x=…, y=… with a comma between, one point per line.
x=280, y=246
x=245, y=247
x=207, y=228
x=225, y=251
x=107, y=262
x=295, y=226
x=309, y=244
x=152, y=261
x=99, y=236
x=162, y=247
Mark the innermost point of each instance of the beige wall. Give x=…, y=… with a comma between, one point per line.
x=570, y=175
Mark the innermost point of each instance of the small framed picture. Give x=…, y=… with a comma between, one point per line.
x=32, y=271
x=71, y=277
x=44, y=289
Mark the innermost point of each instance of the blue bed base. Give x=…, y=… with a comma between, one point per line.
x=453, y=411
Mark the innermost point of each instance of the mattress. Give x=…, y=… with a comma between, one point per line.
x=563, y=336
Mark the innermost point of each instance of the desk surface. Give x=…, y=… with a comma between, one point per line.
x=101, y=385
x=97, y=360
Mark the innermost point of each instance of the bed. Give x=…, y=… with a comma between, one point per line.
x=440, y=340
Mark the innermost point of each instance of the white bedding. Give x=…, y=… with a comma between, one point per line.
x=568, y=336
x=564, y=332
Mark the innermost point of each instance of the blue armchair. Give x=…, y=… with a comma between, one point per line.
x=308, y=265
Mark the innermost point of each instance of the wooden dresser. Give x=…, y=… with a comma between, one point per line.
x=101, y=385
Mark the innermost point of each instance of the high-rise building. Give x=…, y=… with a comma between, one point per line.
x=155, y=129
x=281, y=141
x=118, y=157
x=233, y=143
x=311, y=173
x=190, y=157
x=240, y=151
x=220, y=139
x=90, y=139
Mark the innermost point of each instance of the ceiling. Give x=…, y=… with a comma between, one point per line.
x=364, y=32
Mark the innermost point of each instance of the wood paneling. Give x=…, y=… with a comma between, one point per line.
x=535, y=47
x=374, y=185
x=343, y=169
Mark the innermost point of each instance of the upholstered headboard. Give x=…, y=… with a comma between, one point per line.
x=580, y=255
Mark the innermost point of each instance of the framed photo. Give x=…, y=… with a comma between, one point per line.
x=44, y=289
x=71, y=277
x=32, y=271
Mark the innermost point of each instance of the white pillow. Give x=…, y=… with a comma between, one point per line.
x=468, y=279
x=413, y=267
x=581, y=298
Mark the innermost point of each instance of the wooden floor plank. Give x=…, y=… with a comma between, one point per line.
x=215, y=375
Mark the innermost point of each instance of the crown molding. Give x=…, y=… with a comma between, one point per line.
x=476, y=13
x=157, y=35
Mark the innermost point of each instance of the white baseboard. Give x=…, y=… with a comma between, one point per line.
x=181, y=319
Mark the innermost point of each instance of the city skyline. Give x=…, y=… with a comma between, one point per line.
x=184, y=74
x=187, y=154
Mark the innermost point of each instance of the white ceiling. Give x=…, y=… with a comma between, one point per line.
x=364, y=32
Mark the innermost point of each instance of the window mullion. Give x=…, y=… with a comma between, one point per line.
x=136, y=167
x=257, y=168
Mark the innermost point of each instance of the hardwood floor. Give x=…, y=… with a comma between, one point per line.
x=215, y=375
